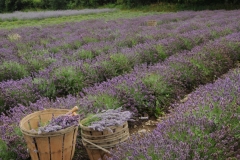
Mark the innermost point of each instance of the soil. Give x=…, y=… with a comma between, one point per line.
x=142, y=126
x=148, y=124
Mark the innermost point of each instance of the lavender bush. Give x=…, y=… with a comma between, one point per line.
x=17, y=92
x=204, y=127
x=12, y=70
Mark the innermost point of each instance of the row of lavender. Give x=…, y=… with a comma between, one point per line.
x=149, y=89
x=30, y=53
x=205, y=127
x=76, y=40
x=64, y=77
x=34, y=50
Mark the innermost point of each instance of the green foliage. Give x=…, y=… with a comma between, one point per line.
x=68, y=80
x=118, y=64
x=40, y=64
x=234, y=46
x=2, y=102
x=161, y=90
x=56, y=4
x=85, y=54
x=201, y=67
x=45, y=86
x=55, y=49
x=161, y=52
x=89, y=39
x=5, y=153
x=121, y=63
x=197, y=133
x=187, y=43
x=187, y=77
x=222, y=119
x=136, y=96
x=105, y=101
x=134, y=3
x=13, y=5
x=12, y=70
x=165, y=5
x=152, y=55
x=91, y=73
x=215, y=114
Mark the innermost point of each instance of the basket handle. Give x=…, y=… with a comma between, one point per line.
x=74, y=109
x=105, y=150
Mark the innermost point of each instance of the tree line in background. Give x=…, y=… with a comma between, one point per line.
x=17, y=5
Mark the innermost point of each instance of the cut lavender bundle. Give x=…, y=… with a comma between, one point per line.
x=60, y=122
x=107, y=118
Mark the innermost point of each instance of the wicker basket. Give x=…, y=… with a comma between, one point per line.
x=152, y=23
x=58, y=145
x=98, y=143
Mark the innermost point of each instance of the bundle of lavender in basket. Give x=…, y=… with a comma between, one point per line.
x=60, y=122
x=107, y=118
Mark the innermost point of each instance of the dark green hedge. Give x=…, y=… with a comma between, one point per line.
x=132, y=3
x=16, y=5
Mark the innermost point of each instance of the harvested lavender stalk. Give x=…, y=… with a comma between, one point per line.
x=105, y=119
x=60, y=122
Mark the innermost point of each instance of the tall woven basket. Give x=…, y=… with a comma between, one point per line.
x=59, y=145
x=98, y=143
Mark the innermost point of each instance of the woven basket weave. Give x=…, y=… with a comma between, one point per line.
x=59, y=145
x=97, y=142
x=152, y=23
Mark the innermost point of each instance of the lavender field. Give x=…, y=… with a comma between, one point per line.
x=100, y=64
x=204, y=127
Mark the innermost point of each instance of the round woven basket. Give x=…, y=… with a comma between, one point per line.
x=152, y=23
x=59, y=145
x=98, y=143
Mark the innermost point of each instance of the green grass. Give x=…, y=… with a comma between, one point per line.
x=5, y=153
x=9, y=24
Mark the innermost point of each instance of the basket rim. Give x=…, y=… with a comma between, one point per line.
x=49, y=134
x=90, y=129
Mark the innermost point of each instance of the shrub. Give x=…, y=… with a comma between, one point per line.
x=68, y=80
x=17, y=92
x=161, y=90
x=105, y=101
x=12, y=70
